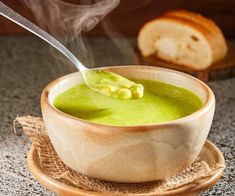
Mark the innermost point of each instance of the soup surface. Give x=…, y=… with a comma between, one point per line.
x=161, y=102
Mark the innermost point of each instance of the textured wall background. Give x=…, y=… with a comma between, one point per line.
x=130, y=15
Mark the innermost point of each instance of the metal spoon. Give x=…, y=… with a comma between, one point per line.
x=101, y=81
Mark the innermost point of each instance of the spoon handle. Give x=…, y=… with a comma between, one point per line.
x=23, y=22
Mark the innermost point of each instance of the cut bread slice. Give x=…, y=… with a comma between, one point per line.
x=218, y=43
x=183, y=38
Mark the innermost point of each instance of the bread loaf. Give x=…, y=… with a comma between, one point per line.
x=183, y=38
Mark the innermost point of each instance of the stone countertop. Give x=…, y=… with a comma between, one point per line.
x=26, y=67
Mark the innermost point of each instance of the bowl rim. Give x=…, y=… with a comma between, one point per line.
x=209, y=102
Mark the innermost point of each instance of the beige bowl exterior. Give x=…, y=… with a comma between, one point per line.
x=129, y=153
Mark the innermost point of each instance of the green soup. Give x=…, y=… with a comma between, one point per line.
x=161, y=102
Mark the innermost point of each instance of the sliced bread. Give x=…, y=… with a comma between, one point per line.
x=183, y=38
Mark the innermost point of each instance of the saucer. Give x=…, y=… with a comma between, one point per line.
x=210, y=154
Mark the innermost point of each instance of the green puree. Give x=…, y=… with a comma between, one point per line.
x=161, y=102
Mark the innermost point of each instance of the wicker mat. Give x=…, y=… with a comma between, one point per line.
x=52, y=166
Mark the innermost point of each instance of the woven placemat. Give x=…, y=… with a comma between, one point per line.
x=52, y=166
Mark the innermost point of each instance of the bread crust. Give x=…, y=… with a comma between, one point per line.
x=206, y=22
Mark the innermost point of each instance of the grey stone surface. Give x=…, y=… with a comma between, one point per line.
x=26, y=67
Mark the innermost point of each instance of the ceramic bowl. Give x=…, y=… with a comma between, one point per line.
x=129, y=153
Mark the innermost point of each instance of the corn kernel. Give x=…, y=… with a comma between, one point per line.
x=124, y=93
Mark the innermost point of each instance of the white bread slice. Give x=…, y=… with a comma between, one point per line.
x=183, y=38
x=218, y=43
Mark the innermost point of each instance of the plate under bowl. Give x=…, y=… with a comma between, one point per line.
x=210, y=153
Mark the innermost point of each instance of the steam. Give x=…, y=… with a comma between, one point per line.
x=126, y=52
x=68, y=23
